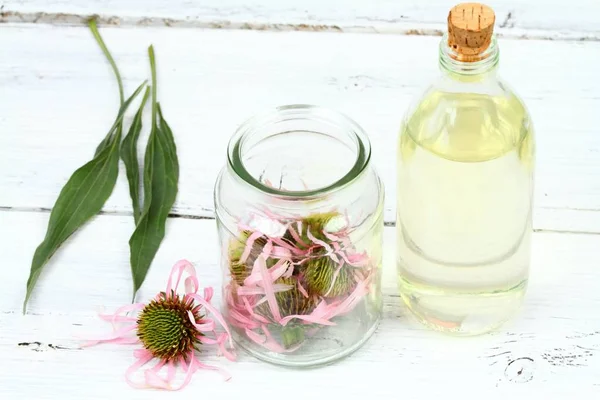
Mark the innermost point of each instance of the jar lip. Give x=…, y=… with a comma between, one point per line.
x=363, y=148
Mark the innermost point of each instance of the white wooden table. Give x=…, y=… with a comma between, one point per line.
x=220, y=62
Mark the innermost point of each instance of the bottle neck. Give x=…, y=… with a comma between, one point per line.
x=469, y=68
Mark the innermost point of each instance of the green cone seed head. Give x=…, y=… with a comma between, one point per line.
x=317, y=224
x=319, y=274
x=290, y=302
x=165, y=329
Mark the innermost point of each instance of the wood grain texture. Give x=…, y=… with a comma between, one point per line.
x=551, y=347
x=531, y=19
x=59, y=98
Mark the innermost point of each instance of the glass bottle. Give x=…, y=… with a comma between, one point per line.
x=465, y=187
x=300, y=219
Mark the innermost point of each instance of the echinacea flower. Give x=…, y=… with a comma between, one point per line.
x=171, y=329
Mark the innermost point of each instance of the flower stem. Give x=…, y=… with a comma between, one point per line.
x=153, y=72
x=292, y=335
x=94, y=29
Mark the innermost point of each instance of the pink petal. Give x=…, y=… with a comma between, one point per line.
x=318, y=241
x=210, y=367
x=116, y=317
x=191, y=368
x=177, y=270
x=191, y=284
x=216, y=314
x=112, y=337
x=256, y=290
x=296, y=236
x=171, y=371
x=142, y=360
x=205, y=327
x=301, y=289
x=268, y=285
x=268, y=249
x=221, y=341
x=249, y=244
x=255, y=337
x=330, y=236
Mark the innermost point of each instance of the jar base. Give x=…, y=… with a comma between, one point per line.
x=462, y=313
x=305, y=361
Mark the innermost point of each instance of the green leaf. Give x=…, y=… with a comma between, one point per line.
x=161, y=176
x=96, y=33
x=80, y=199
x=130, y=159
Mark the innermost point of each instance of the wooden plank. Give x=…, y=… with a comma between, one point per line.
x=532, y=19
x=551, y=347
x=59, y=98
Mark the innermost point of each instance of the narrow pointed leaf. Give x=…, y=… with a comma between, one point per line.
x=161, y=176
x=130, y=159
x=111, y=61
x=82, y=197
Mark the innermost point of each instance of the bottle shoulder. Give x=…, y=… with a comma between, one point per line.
x=468, y=119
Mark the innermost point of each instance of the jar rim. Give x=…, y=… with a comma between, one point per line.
x=355, y=131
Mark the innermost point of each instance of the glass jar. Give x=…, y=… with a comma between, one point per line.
x=300, y=218
x=465, y=180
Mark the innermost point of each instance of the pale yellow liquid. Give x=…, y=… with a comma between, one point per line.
x=465, y=177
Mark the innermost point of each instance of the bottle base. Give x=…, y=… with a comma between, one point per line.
x=462, y=313
x=304, y=359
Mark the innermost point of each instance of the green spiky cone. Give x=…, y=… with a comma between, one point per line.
x=318, y=275
x=290, y=302
x=240, y=271
x=165, y=329
x=316, y=223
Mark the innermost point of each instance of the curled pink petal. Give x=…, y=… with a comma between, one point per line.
x=252, y=313
x=281, y=252
x=208, y=326
x=116, y=317
x=221, y=371
x=268, y=249
x=177, y=270
x=256, y=290
x=144, y=358
x=318, y=241
x=249, y=245
x=191, y=284
x=171, y=371
x=118, y=334
x=289, y=271
x=255, y=337
x=216, y=314
x=296, y=236
x=282, y=243
x=191, y=368
x=331, y=236
x=221, y=342
x=208, y=293
x=301, y=289
x=334, y=257
x=358, y=259
x=268, y=285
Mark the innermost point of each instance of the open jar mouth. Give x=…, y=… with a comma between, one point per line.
x=299, y=151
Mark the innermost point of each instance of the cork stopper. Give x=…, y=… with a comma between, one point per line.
x=470, y=29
